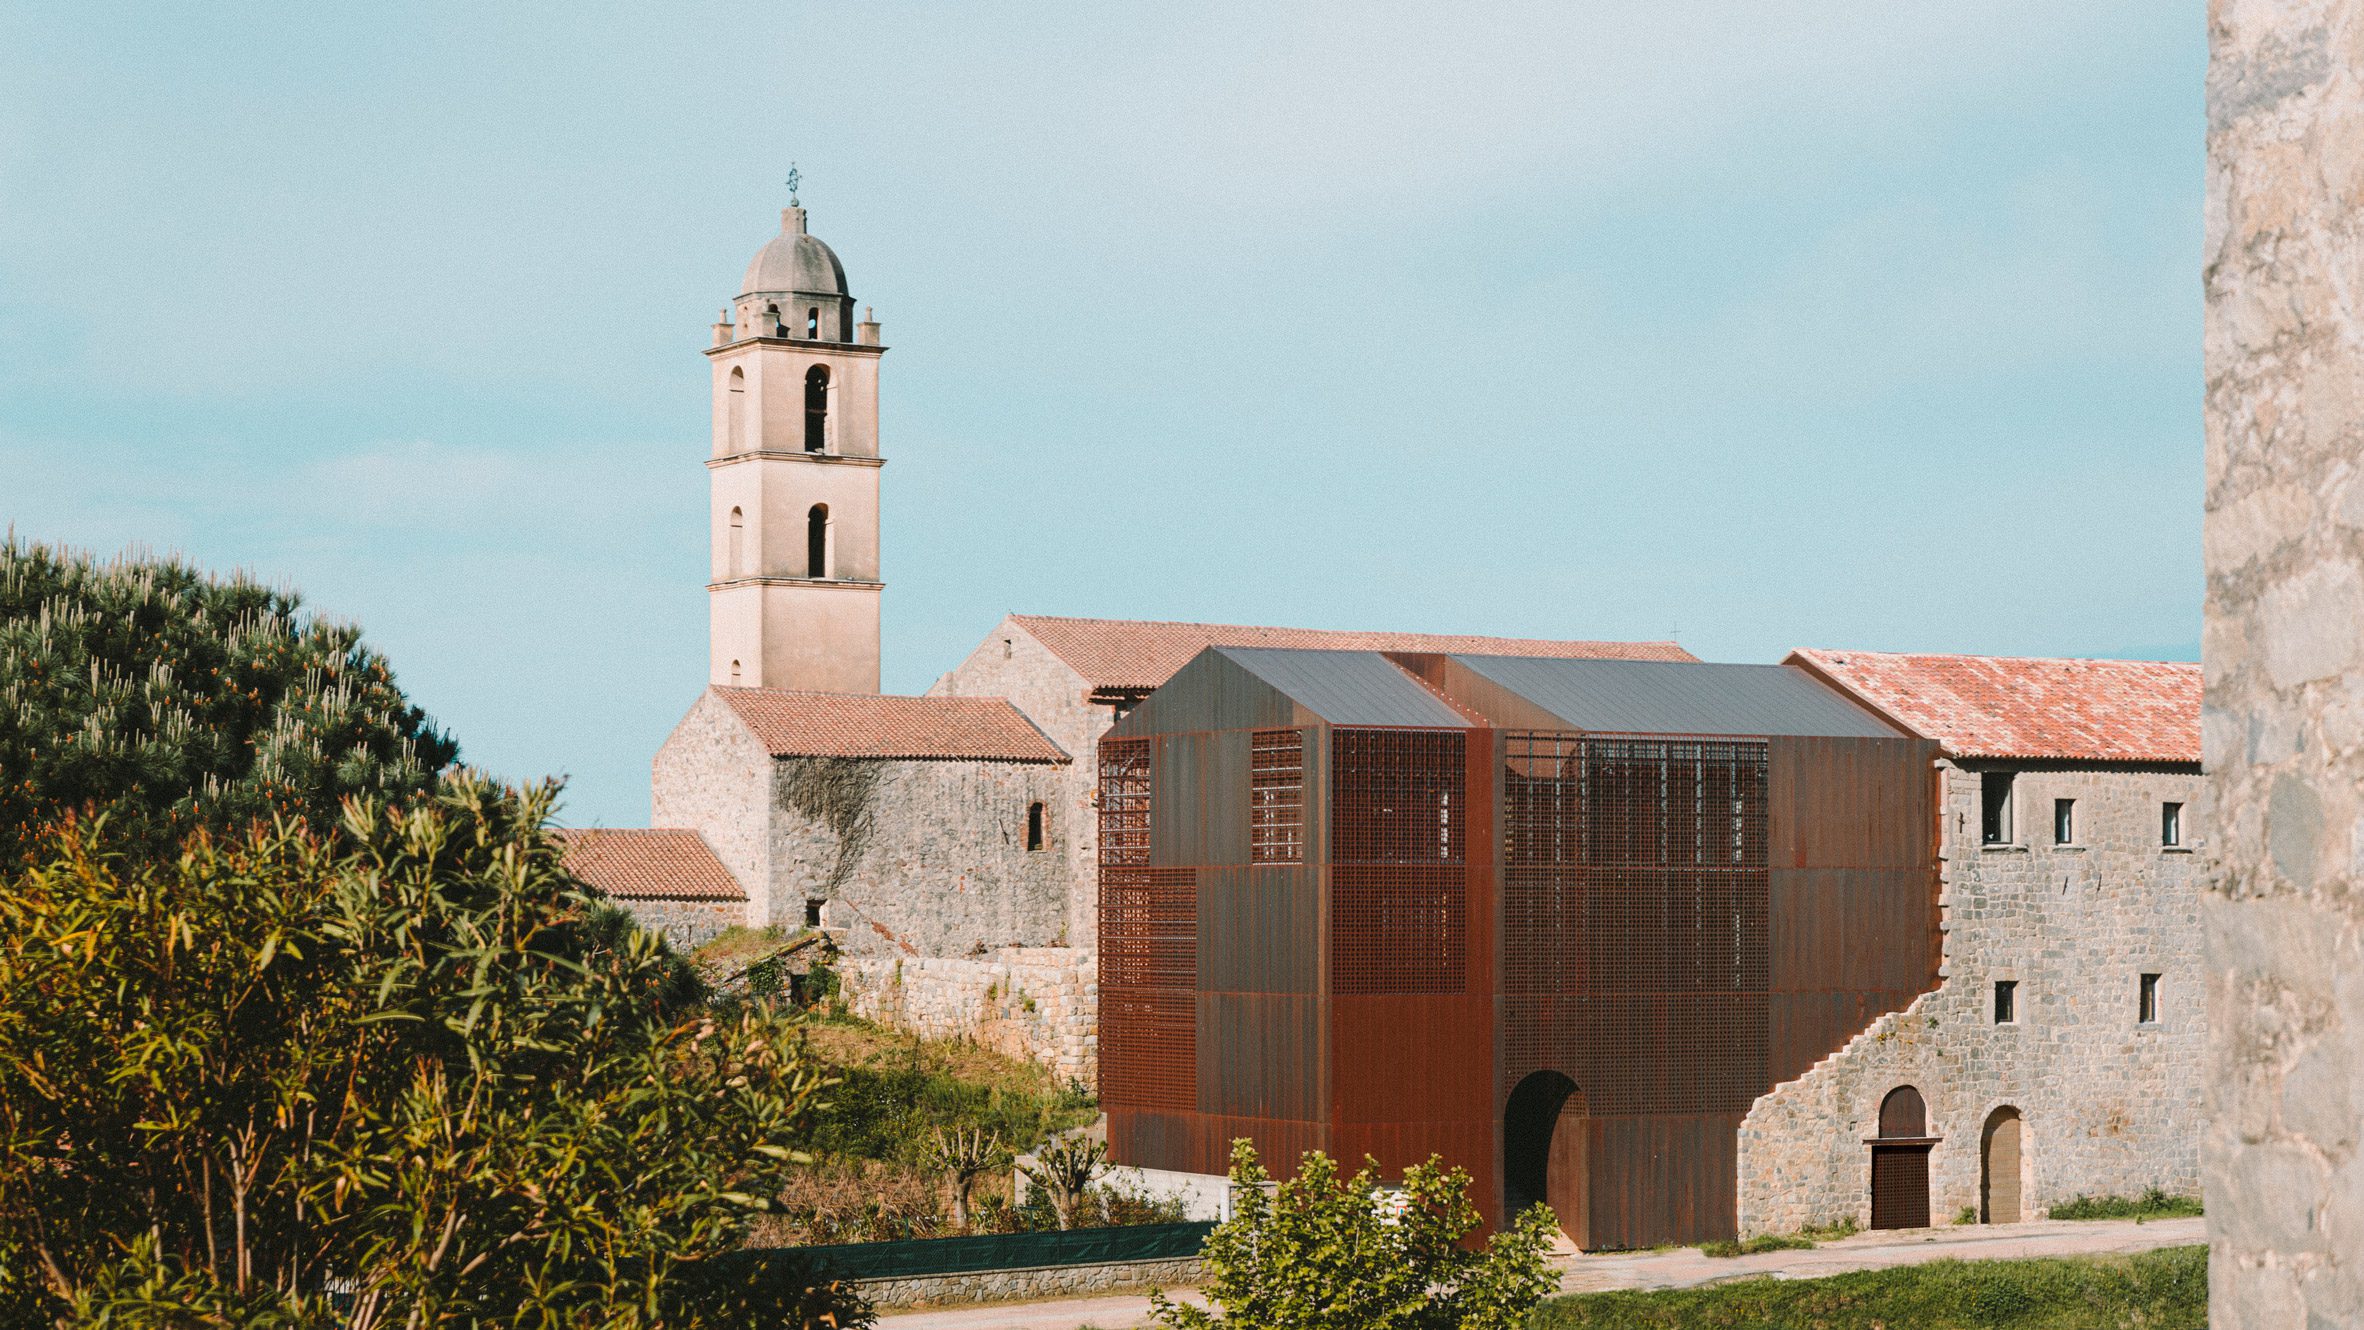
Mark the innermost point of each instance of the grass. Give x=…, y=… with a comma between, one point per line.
x=2152, y=1204
x=1801, y=1240
x=2159, y=1290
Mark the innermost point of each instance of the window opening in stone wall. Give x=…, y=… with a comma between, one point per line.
x=1994, y=808
x=816, y=408
x=735, y=417
x=2064, y=822
x=812, y=912
x=1276, y=797
x=2006, y=1001
x=737, y=563
x=772, y=313
x=1034, y=835
x=2171, y=824
x=734, y=673
x=816, y=541
x=812, y=323
x=2147, y=1004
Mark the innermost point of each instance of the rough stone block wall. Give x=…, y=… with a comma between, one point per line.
x=712, y=776
x=2109, y=1106
x=2284, y=648
x=917, y=858
x=1030, y=1285
x=1036, y=1003
x=685, y=924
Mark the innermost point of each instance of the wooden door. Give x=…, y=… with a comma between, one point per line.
x=1900, y=1186
x=1999, y=1169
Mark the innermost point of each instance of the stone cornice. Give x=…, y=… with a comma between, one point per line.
x=827, y=583
x=800, y=344
x=770, y=456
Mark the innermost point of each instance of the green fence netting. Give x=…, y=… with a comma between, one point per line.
x=986, y=1251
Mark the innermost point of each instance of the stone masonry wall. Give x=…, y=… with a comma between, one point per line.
x=712, y=776
x=2283, y=728
x=1011, y=664
x=685, y=924
x=1036, y=1003
x=917, y=858
x=2109, y=1106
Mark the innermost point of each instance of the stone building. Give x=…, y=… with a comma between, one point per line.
x=2061, y=1053
x=2284, y=647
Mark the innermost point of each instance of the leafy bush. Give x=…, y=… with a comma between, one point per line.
x=2161, y=1290
x=895, y=1091
x=170, y=700
x=2152, y=1204
x=397, y=1072
x=1320, y=1252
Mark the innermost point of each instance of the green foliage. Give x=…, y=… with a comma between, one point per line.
x=2161, y=1290
x=170, y=699
x=401, y=1061
x=962, y=1157
x=895, y=1091
x=1321, y=1252
x=2152, y=1204
x=1763, y=1242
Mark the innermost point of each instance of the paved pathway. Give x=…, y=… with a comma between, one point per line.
x=1682, y=1268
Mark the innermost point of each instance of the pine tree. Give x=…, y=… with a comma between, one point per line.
x=169, y=699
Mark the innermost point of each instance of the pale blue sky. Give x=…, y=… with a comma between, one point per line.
x=1808, y=323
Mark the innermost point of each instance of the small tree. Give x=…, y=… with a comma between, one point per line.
x=1324, y=1253
x=1065, y=1169
x=963, y=1157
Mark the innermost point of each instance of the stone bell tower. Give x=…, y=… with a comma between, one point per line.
x=795, y=587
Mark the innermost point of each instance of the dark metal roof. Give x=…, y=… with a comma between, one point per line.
x=1347, y=687
x=1659, y=697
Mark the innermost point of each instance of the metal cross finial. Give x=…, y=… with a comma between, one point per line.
x=793, y=177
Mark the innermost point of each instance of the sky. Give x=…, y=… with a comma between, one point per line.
x=1756, y=325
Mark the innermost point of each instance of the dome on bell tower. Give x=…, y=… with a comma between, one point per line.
x=794, y=262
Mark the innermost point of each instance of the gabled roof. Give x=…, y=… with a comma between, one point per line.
x=1134, y=655
x=2026, y=707
x=649, y=863
x=1661, y=697
x=982, y=729
x=1347, y=687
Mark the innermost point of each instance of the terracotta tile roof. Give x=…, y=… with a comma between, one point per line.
x=1125, y=655
x=2005, y=706
x=649, y=863
x=986, y=729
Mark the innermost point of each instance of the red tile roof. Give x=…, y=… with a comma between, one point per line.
x=986, y=729
x=2020, y=707
x=649, y=863
x=1125, y=655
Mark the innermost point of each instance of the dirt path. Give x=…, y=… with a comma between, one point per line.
x=1681, y=1268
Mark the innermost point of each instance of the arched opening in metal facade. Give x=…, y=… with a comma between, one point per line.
x=816, y=408
x=1900, y=1162
x=1543, y=1155
x=2002, y=1146
x=816, y=541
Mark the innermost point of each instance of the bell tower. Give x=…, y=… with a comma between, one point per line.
x=794, y=594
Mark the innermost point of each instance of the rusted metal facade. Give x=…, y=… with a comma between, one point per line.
x=1431, y=911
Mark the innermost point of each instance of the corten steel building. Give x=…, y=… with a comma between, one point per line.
x=1558, y=921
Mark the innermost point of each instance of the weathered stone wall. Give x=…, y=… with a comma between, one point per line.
x=917, y=858
x=1036, y=1003
x=712, y=776
x=685, y=924
x=1011, y=664
x=2109, y=1106
x=1050, y=1281
x=2284, y=649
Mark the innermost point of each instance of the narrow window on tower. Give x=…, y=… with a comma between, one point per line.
x=2006, y=1001
x=816, y=408
x=2171, y=824
x=734, y=674
x=812, y=912
x=812, y=324
x=1276, y=797
x=816, y=541
x=734, y=417
x=1994, y=808
x=2147, y=1002
x=738, y=543
x=2064, y=822
x=1034, y=828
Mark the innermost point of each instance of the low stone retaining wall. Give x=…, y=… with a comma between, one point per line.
x=1036, y=1003
x=1048, y=1281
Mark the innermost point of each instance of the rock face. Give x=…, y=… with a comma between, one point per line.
x=2108, y=1103
x=2284, y=727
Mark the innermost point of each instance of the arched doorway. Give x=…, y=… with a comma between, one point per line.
x=2000, y=1149
x=1543, y=1156
x=1900, y=1162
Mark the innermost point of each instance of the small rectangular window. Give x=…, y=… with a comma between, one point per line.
x=1276, y=797
x=2064, y=822
x=1994, y=808
x=812, y=912
x=2171, y=824
x=1034, y=825
x=2149, y=1001
x=2006, y=1001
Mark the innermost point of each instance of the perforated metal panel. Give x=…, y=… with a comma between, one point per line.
x=1148, y=947
x=1399, y=899
x=1276, y=825
x=1635, y=907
